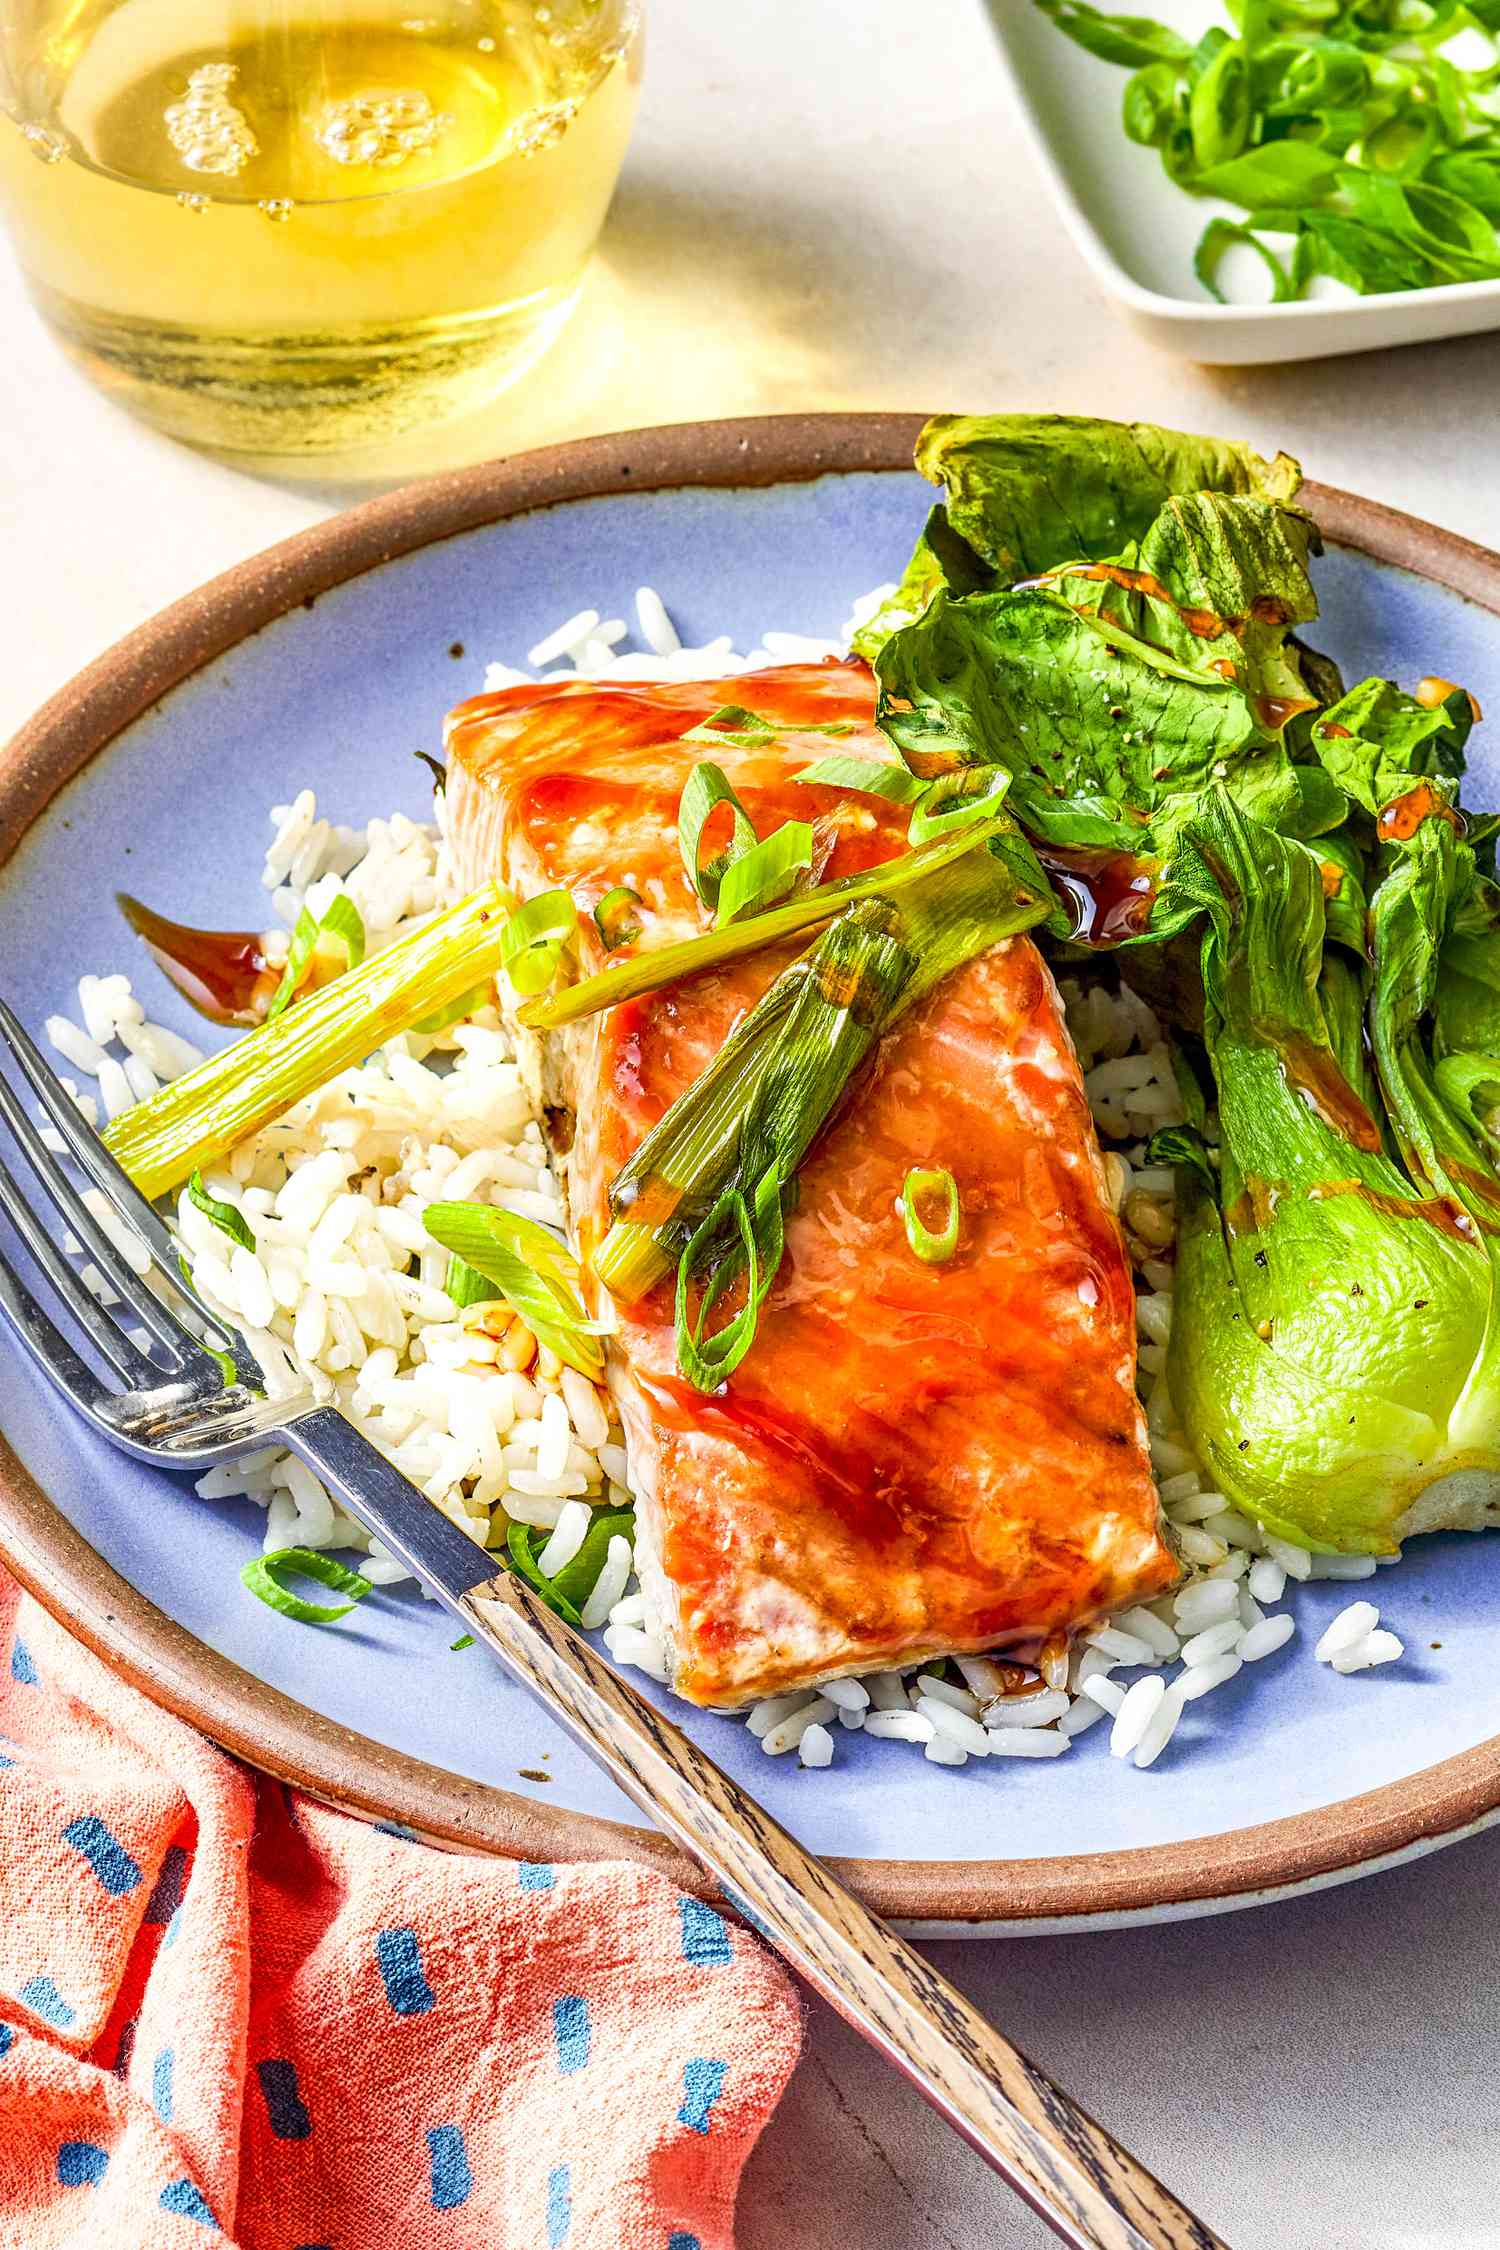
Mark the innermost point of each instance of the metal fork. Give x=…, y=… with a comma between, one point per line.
x=168, y=1400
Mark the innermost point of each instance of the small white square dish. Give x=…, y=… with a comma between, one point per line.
x=1137, y=231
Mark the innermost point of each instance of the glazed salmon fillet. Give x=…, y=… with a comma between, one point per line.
x=912, y=1459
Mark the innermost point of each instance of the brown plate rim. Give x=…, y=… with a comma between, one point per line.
x=301, y=1746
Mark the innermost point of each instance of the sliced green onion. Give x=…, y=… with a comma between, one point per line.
x=225, y=1365
x=339, y=936
x=756, y=1248
x=731, y=723
x=613, y=919
x=263, y=1578
x=533, y=940
x=765, y=873
x=934, y=1248
x=185, y=1126
x=520, y=1543
x=956, y=801
x=579, y=1576
x=569, y=1590
x=465, y=1640
x=776, y=1081
x=299, y=954
x=749, y=730
x=225, y=1217
x=535, y=1273
x=667, y=964
x=706, y=788
x=871, y=776
x=467, y=1286
x=682, y=1165
x=342, y=929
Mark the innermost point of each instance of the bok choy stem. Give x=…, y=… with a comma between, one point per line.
x=192, y=1121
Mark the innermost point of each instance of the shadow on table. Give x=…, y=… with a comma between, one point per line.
x=1316, y=2075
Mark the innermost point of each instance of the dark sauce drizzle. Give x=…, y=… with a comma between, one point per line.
x=223, y=973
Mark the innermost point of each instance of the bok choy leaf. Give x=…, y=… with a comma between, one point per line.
x=1025, y=492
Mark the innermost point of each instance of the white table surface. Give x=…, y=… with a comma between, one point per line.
x=830, y=204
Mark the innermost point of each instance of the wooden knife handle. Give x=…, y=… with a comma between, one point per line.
x=1090, y=2190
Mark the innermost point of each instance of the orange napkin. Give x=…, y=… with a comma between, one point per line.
x=228, y=2011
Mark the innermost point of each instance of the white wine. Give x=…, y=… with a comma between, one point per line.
x=297, y=225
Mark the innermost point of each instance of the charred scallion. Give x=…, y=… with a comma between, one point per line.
x=775, y=1084
x=667, y=964
x=198, y=1116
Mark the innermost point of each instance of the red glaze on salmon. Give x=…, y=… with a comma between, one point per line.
x=912, y=1459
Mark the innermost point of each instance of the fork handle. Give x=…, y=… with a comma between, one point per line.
x=1089, y=2189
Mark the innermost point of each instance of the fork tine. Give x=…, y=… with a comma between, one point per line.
x=118, y=1190
x=124, y=1357
x=50, y=1348
x=86, y=1147
x=165, y=1326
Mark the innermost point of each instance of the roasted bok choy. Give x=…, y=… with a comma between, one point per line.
x=1284, y=863
x=1336, y=1334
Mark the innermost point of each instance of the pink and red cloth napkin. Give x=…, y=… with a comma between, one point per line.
x=230, y=2016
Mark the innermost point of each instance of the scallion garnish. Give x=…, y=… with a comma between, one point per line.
x=570, y=1589
x=737, y=1236
x=615, y=918
x=765, y=873
x=870, y=776
x=531, y=1269
x=320, y=950
x=706, y=788
x=774, y=1084
x=667, y=964
x=264, y=1575
x=956, y=801
x=731, y=723
x=225, y=1365
x=187, y=1124
x=934, y=1246
x=533, y=939
x=225, y=1216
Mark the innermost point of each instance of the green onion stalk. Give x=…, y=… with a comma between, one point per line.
x=759, y=1106
x=192, y=1121
x=808, y=910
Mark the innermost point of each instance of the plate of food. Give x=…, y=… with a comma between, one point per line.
x=948, y=1217
x=1270, y=183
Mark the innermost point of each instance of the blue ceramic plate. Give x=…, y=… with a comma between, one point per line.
x=329, y=661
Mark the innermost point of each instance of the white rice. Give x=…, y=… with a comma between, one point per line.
x=343, y=1293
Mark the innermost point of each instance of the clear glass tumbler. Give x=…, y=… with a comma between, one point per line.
x=285, y=226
